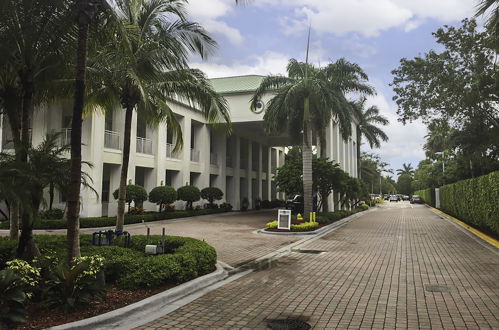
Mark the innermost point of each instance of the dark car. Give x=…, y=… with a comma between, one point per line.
x=416, y=200
x=295, y=204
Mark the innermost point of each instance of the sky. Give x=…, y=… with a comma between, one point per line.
x=262, y=35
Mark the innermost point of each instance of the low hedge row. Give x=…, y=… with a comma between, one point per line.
x=111, y=221
x=186, y=258
x=428, y=195
x=474, y=201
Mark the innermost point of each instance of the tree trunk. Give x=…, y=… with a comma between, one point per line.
x=307, y=162
x=27, y=248
x=51, y=196
x=73, y=200
x=120, y=218
x=14, y=221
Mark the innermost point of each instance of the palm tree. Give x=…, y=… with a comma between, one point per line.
x=306, y=96
x=367, y=120
x=31, y=59
x=146, y=64
x=406, y=169
x=493, y=20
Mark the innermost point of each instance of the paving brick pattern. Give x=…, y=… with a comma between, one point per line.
x=373, y=275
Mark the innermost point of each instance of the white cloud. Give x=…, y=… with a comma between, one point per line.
x=367, y=17
x=268, y=63
x=405, y=143
x=210, y=13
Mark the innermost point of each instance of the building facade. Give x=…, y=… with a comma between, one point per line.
x=242, y=165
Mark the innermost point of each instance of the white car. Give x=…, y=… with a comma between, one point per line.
x=393, y=198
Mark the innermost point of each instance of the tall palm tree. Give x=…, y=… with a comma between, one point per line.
x=145, y=64
x=306, y=96
x=406, y=169
x=32, y=38
x=493, y=20
x=367, y=121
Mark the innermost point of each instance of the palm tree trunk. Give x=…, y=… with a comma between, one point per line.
x=307, y=162
x=73, y=213
x=14, y=221
x=120, y=218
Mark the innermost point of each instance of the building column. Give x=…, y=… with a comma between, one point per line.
x=249, y=174
x=259, y=171
x=160, y=153
x=220, y=147
x=269, y=173
x=236, y=160
x=186, y=151
x=203, y=145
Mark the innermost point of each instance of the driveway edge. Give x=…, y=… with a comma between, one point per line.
x=121, y=317
x=477, y=235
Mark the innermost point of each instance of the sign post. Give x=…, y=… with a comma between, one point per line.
x=284, y=219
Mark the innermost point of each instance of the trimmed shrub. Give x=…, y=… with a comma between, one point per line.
x=474, y=201
x=189, y=194
x=363, y=207
x=162, y=195
x=212, y=194
x=134, y=193
x=305, y=226
x=54, y=214
x=428, y=195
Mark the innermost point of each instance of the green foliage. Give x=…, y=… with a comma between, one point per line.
x=185, y=259
x=364, y=207
x=129, y=219
x=428, y=195
x=305, y=226
x=12, y=298
x=54, y=214
x=162, y=195
x=189, y=194
x=134, y=193
x=212, y=194
x=474, y=201
x=75, y=285
x=404, y=184
x=29, y=275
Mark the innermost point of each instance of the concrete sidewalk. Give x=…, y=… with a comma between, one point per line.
x=400, y=267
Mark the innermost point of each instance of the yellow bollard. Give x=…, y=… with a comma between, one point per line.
x=311, y=218
x=315, y=216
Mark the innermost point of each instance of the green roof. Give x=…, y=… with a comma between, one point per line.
x=237, y=84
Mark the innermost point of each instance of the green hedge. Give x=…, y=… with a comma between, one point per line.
x=428, y=195
x=111, y=221
x=474, y=201
x=187, y=258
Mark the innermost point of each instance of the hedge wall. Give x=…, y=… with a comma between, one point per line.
x=428, y=195
x=474, y=201
x=111, y=221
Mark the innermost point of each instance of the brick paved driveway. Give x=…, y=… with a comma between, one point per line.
x=379, y=271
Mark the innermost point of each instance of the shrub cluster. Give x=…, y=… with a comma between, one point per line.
x=129, y=219
x=186, y=258
x=474, y=201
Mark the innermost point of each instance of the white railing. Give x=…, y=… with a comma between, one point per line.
x=144, y=146
x=65, y=137
x=112, y=140
x=213, y=159
x=194, y=155
x=170, y=153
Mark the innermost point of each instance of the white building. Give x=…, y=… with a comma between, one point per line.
x=241, y=165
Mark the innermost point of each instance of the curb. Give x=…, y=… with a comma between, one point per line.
x=122, y=317
x=472, y=232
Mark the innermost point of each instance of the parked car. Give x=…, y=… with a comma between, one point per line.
x=295, y=204
x=416, y=200
x=405, y=198
x=393, y=198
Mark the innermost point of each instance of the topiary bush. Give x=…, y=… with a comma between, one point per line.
x=189, y=194
x=134, y=193
x=363, y=207
x=162, y=195
x=212, y=194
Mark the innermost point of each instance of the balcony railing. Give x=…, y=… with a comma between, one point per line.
x=213, y=159
x=194, y=155
x=170, y=153
x=144, y=146
x=112, y=140
x=65, y=137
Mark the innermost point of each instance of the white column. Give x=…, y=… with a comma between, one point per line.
x=236, y=161
x=203, y=145
x=249, y=174
x=269, y=173
x=1, y=130
x=133, y=149
x=259, y=171
x=220, y=148
x=160, y=152
x=186, y=151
